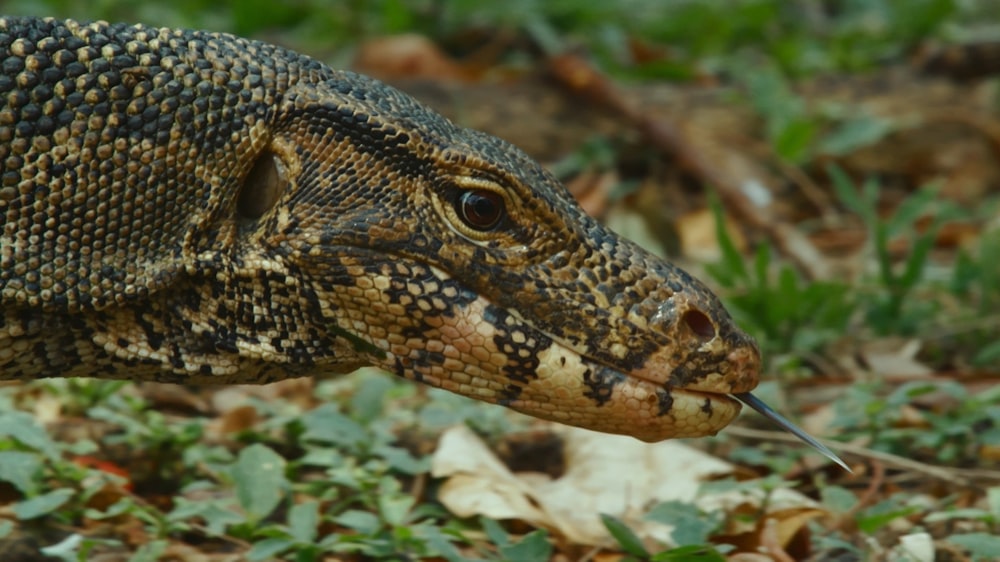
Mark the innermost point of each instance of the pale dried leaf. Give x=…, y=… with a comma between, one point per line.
x=915, y=547
x=608, y=474
x=630, y=225
x=406, y=56
x=897, y=358
x=698, y=235
x=478, y=483
x=749, y=557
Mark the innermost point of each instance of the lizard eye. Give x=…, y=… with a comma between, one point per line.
x=480, y=209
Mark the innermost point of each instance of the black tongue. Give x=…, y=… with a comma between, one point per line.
x=766, y=411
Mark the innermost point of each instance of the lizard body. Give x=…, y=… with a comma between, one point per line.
x=194, y=207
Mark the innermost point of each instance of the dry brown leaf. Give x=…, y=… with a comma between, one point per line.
x=234, y=420
x=608, y=474
x=774, y=534
x=479, y=484
x=173, y=396
x=894, y=357
x=630, y=225
x=406, y=56
x=789, y=522
x=699, y=240
x=297, y=391
x=592, y=189
x=990, y=453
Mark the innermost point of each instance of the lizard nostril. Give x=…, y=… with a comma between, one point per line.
x=262, y=187
x=699, y=323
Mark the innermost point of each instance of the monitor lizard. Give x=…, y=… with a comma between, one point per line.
x=193, y=207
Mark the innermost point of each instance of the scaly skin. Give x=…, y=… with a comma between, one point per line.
x=194, y=207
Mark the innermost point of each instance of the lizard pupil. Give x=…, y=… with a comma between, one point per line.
x=481, y=209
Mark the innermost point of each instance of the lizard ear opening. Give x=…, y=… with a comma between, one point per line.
x=262, y=186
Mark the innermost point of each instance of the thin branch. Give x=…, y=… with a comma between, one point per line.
x=973, y=478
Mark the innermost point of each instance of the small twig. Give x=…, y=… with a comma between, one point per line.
x=590, y=554
x=961, y=476
x=419, y=486
x=819, y=199
x=984, y=124
x=674, y=142
x=870, y=494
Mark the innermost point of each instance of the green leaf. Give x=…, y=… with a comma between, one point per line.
x=793, y=141
x=216, y=516
x=495, y=531
x=25, y=429
x=859, y=202
x=6, y=526
x=368, y=398
x=981, y=546
x=303, y=519
x=993, y=501
x=881, y=514
x=691, y=526
x=627, y=539
x=988, y=355
x=19, y=468
x=534, y=547
x=439, y=542
x=328, y=425
x=43, y=504
x=73, y=547
x=259, y=474
x=732, y=267
x=967, y=513
x=838, y=499
x=363, y=522
x=400, y=459
x=855, y=133
x=269, y=549
x=695, y=553
x=394, y=508
x=150, y=552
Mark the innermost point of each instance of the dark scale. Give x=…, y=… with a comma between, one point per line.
x=522, y=350
x=601, y=383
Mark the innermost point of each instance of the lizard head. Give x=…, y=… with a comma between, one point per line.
x=449, y=257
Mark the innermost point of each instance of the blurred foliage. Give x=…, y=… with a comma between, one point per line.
x=798, y=37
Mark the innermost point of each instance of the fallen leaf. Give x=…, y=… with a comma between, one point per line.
x=915, y=547
x=895, y=357
x=699, y=236
x=608, y=474
x=406, y=56
x=234, y=420
x=105, y=466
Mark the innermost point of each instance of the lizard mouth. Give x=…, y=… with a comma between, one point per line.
x=577, y=390
x=693, y=412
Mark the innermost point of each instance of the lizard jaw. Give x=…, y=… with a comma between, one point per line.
x=488, y=353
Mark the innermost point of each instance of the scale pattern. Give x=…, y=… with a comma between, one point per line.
x=193, y=207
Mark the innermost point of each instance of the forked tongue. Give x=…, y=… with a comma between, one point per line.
x=766, y=411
